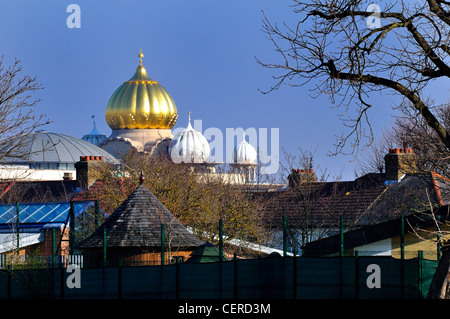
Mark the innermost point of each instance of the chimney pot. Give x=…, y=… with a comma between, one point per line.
x=399, y=161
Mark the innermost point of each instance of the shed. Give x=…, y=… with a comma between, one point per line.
x=205, y=253
x=132, y=234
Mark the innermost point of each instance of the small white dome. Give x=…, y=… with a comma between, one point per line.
x=245, y=153
x=189, y=146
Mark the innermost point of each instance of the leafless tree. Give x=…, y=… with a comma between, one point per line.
x=17, y=117
x=410, y=131
x=307, y=203
x=349, y=52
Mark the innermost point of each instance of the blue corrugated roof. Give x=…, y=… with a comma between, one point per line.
x=38, y=213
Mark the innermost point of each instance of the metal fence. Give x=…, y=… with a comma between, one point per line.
x=275, y=278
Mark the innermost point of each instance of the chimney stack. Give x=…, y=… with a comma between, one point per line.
x=86, y=170
x=399, y=161
x=301, y=176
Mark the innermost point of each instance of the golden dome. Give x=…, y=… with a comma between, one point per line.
x=141, y=103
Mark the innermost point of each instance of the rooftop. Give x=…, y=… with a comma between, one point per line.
x=137, y=223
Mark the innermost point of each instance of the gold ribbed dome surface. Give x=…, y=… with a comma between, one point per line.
x=141, y=103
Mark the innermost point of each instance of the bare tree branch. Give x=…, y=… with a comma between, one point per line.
x=17, y=117
x=334, y=48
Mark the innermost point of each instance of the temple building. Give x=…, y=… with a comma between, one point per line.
x=141, y=114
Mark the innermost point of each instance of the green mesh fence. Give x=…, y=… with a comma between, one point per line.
x=268, y=278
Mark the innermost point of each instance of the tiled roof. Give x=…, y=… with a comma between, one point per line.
x=415, y=193
x=320, y=204
x=365, y=201
x=137, y=223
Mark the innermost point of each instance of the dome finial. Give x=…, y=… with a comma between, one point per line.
x=189, y=127
x=140, y=55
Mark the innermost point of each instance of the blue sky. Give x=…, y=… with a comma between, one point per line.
x=202, y=52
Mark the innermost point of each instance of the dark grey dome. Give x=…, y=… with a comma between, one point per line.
x=46, y=150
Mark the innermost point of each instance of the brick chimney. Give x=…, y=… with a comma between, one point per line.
x=300, y=176
x=399, y=161
x=86, y=170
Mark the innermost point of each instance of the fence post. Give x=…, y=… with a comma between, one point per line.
x=420, y=274
x=402, y=253
x=220, y=240
x=119, y=279
x=71, y=226
x=104, y=246
x=97, y=214
x=341, y=255
x=356, y=274
x=163, y=243
x=438, y=245
x=177, y=279
x=62, y=283
x=295, y=273
x=53, y=247
x=235, y=281
x=18, y=225
x=9, y=281
x=284, y=236
x=341, y=232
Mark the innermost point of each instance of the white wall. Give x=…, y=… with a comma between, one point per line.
x=23, y=173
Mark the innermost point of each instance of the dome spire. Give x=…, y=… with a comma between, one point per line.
x=189, y=127
x=93, y=121
x=140, y=56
